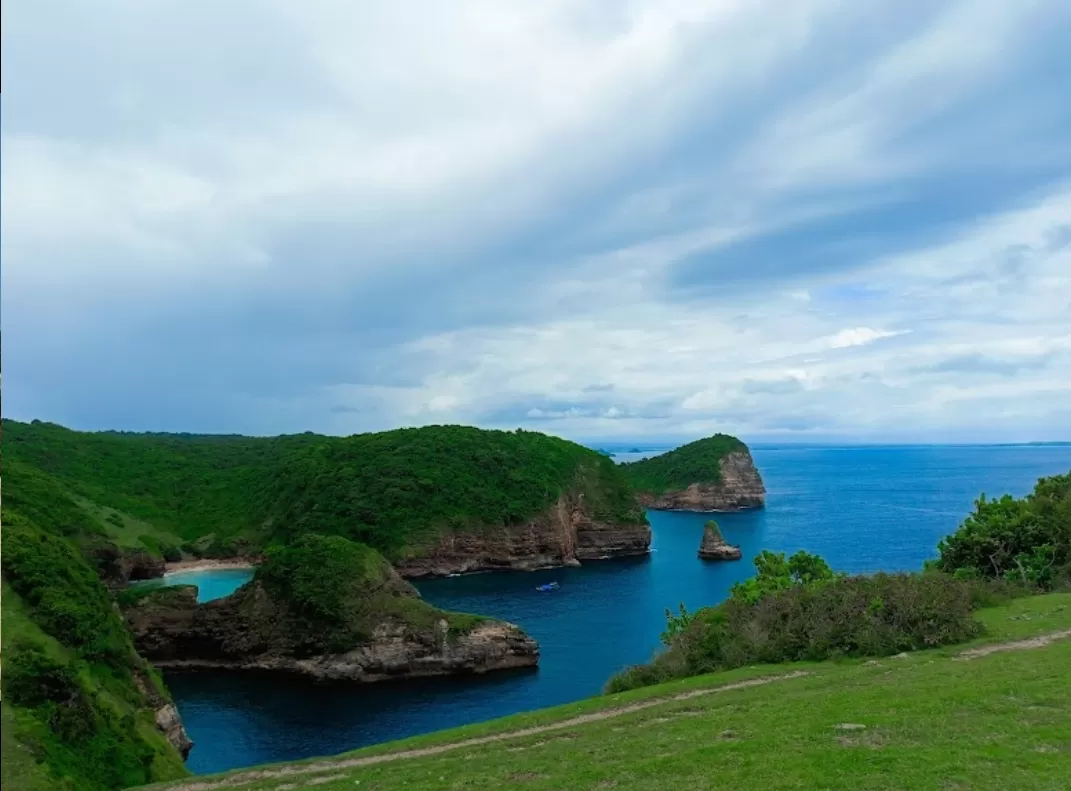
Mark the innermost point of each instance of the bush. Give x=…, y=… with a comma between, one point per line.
x=32, y=678
x=64, y=594
x=1026, y=539
x=775, y=573
x=828, y=618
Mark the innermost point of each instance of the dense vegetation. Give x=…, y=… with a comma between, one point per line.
x=336, y=591
x=1023, y=539
x=78, y=703
x=397, y=489
x=696, y=462
x=797, y=609
x=391, y=490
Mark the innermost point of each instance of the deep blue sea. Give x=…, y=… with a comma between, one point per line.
x=862, y=508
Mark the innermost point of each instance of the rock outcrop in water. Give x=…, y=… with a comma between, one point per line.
x=358, y=621
x=564, y=535
x=715, y=474
x=714, y=546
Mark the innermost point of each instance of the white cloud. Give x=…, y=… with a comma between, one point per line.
x=860, y=336
x=637, y=218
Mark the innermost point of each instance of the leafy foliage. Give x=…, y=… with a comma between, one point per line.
x=676, y=625
x=392, y=490
x=696, y=462
x=826, y=618
x=77, y=698
x=1026, y=539
x=63, y=593
x=774, y=573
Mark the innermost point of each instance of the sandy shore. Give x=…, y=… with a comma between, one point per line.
x=205, y=564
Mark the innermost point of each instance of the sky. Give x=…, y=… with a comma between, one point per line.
x=822, y=220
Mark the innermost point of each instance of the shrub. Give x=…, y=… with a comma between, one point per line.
x=826, y=618
x=774, y=573
x=65, y=595
x=1026, y=539
x=31, y=677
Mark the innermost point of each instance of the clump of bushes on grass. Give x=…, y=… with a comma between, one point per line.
x=798, y=609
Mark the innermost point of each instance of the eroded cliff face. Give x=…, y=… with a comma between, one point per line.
x=564, y=535
x=249, y=631
x=740, y=488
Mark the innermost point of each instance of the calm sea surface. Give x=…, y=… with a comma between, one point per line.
x=863, y=509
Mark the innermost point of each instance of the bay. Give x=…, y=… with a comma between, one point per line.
x=862, y=508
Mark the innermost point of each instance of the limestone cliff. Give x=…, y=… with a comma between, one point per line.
x=735, y=485
x=715, y=547
x=563, y=535
x=378, y=629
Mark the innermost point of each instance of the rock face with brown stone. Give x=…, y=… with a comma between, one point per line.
x=715, y=547
x=738, y=487
x=563, y=535
x=250, y=630
x=168, y=720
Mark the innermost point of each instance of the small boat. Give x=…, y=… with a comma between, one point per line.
x=548, y=587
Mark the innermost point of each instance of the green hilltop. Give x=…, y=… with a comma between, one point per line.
x=391, y=490
x=696, y=462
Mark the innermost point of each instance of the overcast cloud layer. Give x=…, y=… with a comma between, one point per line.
x=815, y=219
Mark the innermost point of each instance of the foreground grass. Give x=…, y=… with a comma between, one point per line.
x=929, y=720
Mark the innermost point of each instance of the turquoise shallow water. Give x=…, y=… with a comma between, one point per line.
x=864, y=509
x=211, y=583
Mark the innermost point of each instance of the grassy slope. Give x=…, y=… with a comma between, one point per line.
x=696, y=462
x=25, y=736
x=391, y=490
x=932, y=722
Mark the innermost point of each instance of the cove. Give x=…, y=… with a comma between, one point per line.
x=862, y=508
x=213, y=583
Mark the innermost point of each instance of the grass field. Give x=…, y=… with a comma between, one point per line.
x=994, y=714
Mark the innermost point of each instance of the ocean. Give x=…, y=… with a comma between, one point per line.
x=862, y=508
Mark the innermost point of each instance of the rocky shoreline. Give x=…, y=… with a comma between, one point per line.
x=564, y=535
x=249, y=630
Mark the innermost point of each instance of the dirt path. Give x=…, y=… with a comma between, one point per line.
x=1019, y=645
x=582, y=719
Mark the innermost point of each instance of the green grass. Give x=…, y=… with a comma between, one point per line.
x=1001, y=721
x=126, y=531
x=696, y=462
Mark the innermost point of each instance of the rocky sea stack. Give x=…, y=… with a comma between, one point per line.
x=714, y=546
x=324, y=607
x=709, y=475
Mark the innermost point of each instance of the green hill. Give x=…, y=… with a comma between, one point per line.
x=389, y=490
x=988, y=716
x=78, y=703
x=696, y=462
